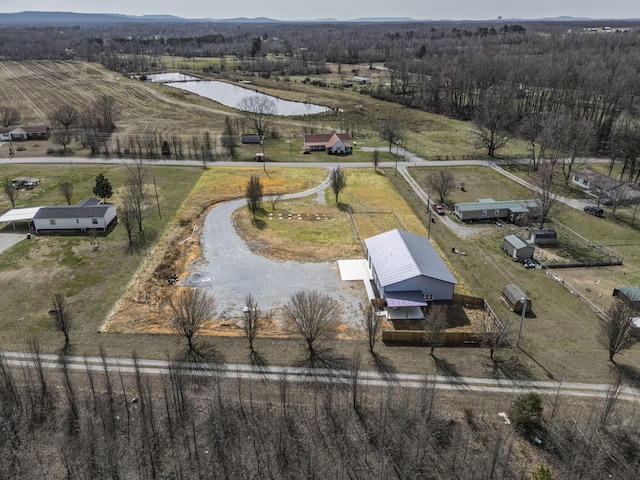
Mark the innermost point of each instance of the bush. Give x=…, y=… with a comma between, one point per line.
x=542, y=473
x=526, y=413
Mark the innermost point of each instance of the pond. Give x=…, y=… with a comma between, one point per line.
x=230, y=95
x=166, y=77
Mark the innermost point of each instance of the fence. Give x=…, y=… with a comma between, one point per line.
x=448, y=338
x=422, y=337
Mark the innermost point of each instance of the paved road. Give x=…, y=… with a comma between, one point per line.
x=293, y=374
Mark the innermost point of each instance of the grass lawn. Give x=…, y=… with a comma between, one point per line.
x=560, y=339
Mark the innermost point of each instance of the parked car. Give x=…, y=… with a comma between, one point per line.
x=439, y=209
x=591, y=210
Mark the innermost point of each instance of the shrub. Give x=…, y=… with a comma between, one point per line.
x=526, y=413
x=542, y=473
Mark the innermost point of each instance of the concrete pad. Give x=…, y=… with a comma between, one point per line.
x=8, y=240
x=354, y=270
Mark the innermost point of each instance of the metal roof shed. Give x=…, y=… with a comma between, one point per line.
x=513, y=296
x=516, y=247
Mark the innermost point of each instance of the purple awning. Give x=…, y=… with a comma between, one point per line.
x=405, y=299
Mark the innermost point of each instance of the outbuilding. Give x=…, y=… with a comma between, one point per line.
x=543, y=237
x=514, y=297
x=517, y=247
x=628, y=294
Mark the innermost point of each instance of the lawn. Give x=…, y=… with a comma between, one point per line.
x=92, y=278
x=560, y=339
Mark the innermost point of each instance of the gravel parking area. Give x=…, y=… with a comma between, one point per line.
x=231, y=272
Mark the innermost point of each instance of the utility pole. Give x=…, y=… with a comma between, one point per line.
x=157, y=199
x=524, y=312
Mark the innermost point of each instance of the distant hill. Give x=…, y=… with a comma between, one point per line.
x=71, y=18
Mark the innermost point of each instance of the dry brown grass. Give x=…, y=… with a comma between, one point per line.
x=141, y=308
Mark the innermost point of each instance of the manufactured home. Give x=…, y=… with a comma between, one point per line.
x=490, y=209
x=89, y=214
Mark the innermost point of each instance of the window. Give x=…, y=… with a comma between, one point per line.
x=77, y=220
x=484, y=213
x=497, y=212
x=428, y=297
x=52, y=221
x=94, y=221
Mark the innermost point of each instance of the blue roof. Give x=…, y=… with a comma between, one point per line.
x=398, y=255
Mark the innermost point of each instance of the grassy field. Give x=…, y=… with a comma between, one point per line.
x=152, y=108
x=560, y=338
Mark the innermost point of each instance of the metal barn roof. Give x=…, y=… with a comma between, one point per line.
x=398, y=255
x=516, y=242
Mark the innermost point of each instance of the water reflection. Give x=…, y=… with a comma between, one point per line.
x=230, y=95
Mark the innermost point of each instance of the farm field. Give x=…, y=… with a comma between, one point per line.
x=153, y=108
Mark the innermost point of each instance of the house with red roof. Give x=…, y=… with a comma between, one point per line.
x=332, y=143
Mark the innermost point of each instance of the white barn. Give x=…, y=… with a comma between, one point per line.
x=408, y=271
x=89, y=214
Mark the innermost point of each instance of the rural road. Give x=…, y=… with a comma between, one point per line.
x=294, y=374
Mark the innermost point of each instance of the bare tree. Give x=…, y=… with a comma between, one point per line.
x=251, y=319
x=253, y=193
x=135, y=196
x=274, y=199
x=375, y=159
x=442, y=182
x=10, y=192
x=494, y=337
x=66, y=190
x=107, y=113
x=494, y=120
x=190, y=308
x=434, y=330
x=9, y=116
x=258, y=110
x=615, y=328
x=391, y=129
x=312, y=315
x=64, y=118
x=62, y=318
x=337, y=181
x=546, y=192
x=127, y=218
x=372, y=325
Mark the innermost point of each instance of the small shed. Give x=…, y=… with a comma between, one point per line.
x=513, y=296
x=250, y=139
x=628, y=294
x=543, y=237
x=517, y=247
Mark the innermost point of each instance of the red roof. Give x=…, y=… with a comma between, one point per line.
x=328, y=139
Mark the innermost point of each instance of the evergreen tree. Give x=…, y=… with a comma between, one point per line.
x=103, y=187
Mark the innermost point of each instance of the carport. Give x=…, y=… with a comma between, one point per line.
x=19, y=215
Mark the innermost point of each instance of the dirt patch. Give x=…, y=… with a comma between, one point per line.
x=594, y=284
x=459, y=319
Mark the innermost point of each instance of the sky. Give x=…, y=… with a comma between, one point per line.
x=341, y=9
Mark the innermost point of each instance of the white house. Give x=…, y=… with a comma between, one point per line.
x=89, y=214
x=408, y=272
x=332, y=143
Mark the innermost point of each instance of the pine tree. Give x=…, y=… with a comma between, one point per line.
x=103, y=187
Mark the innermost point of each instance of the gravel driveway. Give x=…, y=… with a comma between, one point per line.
x=232, y=271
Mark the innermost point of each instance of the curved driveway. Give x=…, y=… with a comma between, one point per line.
x=232, y=270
